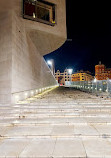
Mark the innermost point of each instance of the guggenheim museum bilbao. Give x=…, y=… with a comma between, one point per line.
x=29, y=29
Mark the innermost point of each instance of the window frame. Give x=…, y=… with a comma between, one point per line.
x=43, y=4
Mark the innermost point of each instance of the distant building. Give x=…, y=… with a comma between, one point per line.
x=82, y=76
x=101, y=72
x=79, y=76
x=62, y=77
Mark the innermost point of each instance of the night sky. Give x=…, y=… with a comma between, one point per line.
x=89, y=27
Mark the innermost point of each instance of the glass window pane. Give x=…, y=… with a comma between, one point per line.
x=29, y=8
x=43, y=13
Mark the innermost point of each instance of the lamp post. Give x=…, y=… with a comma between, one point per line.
x=92, y=86
x=95, y=80
x=107, y=85
x=70, y=73
x=51, y=65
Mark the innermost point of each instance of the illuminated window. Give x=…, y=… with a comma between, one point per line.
x=39, y=10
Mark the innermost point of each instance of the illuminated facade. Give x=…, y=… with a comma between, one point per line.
x=82, y=76
x=62, y=77
x=101, y=72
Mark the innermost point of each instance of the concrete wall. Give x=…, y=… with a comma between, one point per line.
x=22, y=45
x=5, y=56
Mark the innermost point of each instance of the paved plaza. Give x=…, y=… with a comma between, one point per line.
x=61, y=123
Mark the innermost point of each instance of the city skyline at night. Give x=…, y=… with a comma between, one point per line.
x=88, y=34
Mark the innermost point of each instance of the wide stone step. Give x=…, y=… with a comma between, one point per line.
x=54, y=115
x=40, y=136
x=71, y=148
x=56, y=148
x=61, y=106
x=64, y=103
x=55, y=121
x=57, y=131
x=55, y=110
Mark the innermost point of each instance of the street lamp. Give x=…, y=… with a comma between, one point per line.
x=70, y=72
x=107, y=85
x=95, y=80
x=51, y=65
x=49, y=62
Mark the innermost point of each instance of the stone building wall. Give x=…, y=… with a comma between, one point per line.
x=22, y=46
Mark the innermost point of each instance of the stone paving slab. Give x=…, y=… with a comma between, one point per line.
x=97, y=148
x=12, y=147
x=30, y=131
x=103, y=129
x=85, y=130
x=69, y=148
x=60, y=147
x=4, y=130
x=63, y=130
x=98, y=119
x=39, y=148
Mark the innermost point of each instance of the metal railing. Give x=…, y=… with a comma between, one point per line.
x=99, y=87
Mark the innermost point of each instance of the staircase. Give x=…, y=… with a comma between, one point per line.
x=62, y=123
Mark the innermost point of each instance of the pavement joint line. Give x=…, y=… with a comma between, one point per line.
x=52, y=124
x=84, y=148
x=103, y=136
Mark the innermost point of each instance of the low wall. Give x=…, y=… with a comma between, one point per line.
x=22, y=96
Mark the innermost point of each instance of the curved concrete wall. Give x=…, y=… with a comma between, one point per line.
x=22, y=45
